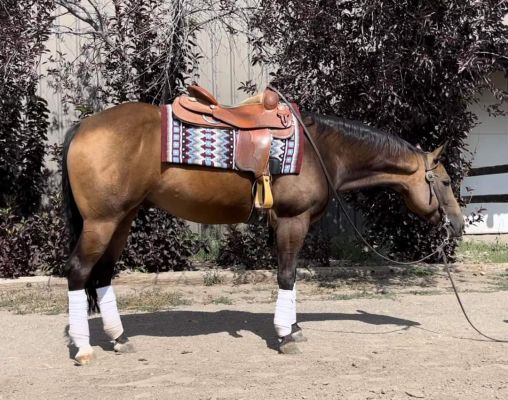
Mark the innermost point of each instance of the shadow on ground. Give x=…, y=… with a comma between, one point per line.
x=194, y=323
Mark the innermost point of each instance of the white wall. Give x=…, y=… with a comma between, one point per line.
x=489, y=143
x=226, y=63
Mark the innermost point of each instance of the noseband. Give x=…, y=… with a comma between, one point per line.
x=430, y=178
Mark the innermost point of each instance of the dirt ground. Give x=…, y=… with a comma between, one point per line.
x=398, y=337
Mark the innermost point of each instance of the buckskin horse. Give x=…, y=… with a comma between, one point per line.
x=112, y=167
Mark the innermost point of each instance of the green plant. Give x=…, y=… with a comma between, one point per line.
x=158, y=242
x=361, y=295
x=479, y=252
x=421, y=271
x=15, y=246
x=222, y=300
x=34, y=300
x=151, y=300
x=210, y=238
x=213, y=277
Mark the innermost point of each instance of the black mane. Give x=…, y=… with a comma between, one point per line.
x=356, y=131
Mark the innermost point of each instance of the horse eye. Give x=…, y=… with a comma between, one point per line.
x=446, y=183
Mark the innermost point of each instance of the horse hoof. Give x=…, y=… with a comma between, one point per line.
x=124, y=347
x=288, y=346
x=298, y=337
x=85, y=356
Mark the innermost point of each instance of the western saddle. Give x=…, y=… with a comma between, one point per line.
x=256, y=120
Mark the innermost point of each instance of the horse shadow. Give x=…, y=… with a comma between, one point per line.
x=182, y=323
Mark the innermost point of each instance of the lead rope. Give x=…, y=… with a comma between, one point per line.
x=459, y=300
x=439, y=250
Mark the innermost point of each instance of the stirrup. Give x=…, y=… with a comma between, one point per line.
x=263, y=197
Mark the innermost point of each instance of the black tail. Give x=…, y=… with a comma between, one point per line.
x=73, y=218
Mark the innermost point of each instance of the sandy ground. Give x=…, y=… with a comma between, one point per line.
x=395, y=340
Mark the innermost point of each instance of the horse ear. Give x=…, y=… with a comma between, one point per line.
x=439, y=152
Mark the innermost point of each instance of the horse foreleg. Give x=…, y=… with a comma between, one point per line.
x=290, y=234
x=92, y=244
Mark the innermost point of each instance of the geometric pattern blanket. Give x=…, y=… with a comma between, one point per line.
x=183, y=143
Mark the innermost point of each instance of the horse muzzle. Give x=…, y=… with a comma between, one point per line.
x=455, y=225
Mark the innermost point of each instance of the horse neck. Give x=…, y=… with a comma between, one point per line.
x=355, y=166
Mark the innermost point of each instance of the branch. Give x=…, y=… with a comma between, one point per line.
x=98, y=13
x=80, y=12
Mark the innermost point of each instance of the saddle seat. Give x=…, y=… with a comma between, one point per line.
x=263, y=111
x=206, y=97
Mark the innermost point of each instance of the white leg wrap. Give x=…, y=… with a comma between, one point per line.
x=78, y=319
x=293, y=319
x=285, y=312
x=109, y=312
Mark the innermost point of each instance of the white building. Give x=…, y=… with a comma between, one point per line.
x=487, y=185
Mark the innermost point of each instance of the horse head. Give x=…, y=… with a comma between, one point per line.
x=429, y=193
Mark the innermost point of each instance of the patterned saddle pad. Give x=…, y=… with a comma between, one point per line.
x=183, y=143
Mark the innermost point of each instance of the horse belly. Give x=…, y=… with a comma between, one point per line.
x=203, y=195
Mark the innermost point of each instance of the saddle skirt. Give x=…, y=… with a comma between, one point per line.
x=184, y=143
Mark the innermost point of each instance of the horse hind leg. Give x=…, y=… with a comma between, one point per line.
x=93, y=242
x=106, y=299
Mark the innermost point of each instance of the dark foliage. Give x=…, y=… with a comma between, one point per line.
x=251, y=247
x=409, y=67
x=15, y=247
x=316, y=250
x=34, y=243
x=159, y=242
x=39, y=242
x=247, y=246
x=24, y=27
x=140, y=53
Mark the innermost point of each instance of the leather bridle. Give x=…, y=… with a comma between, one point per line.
x=430, y=178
